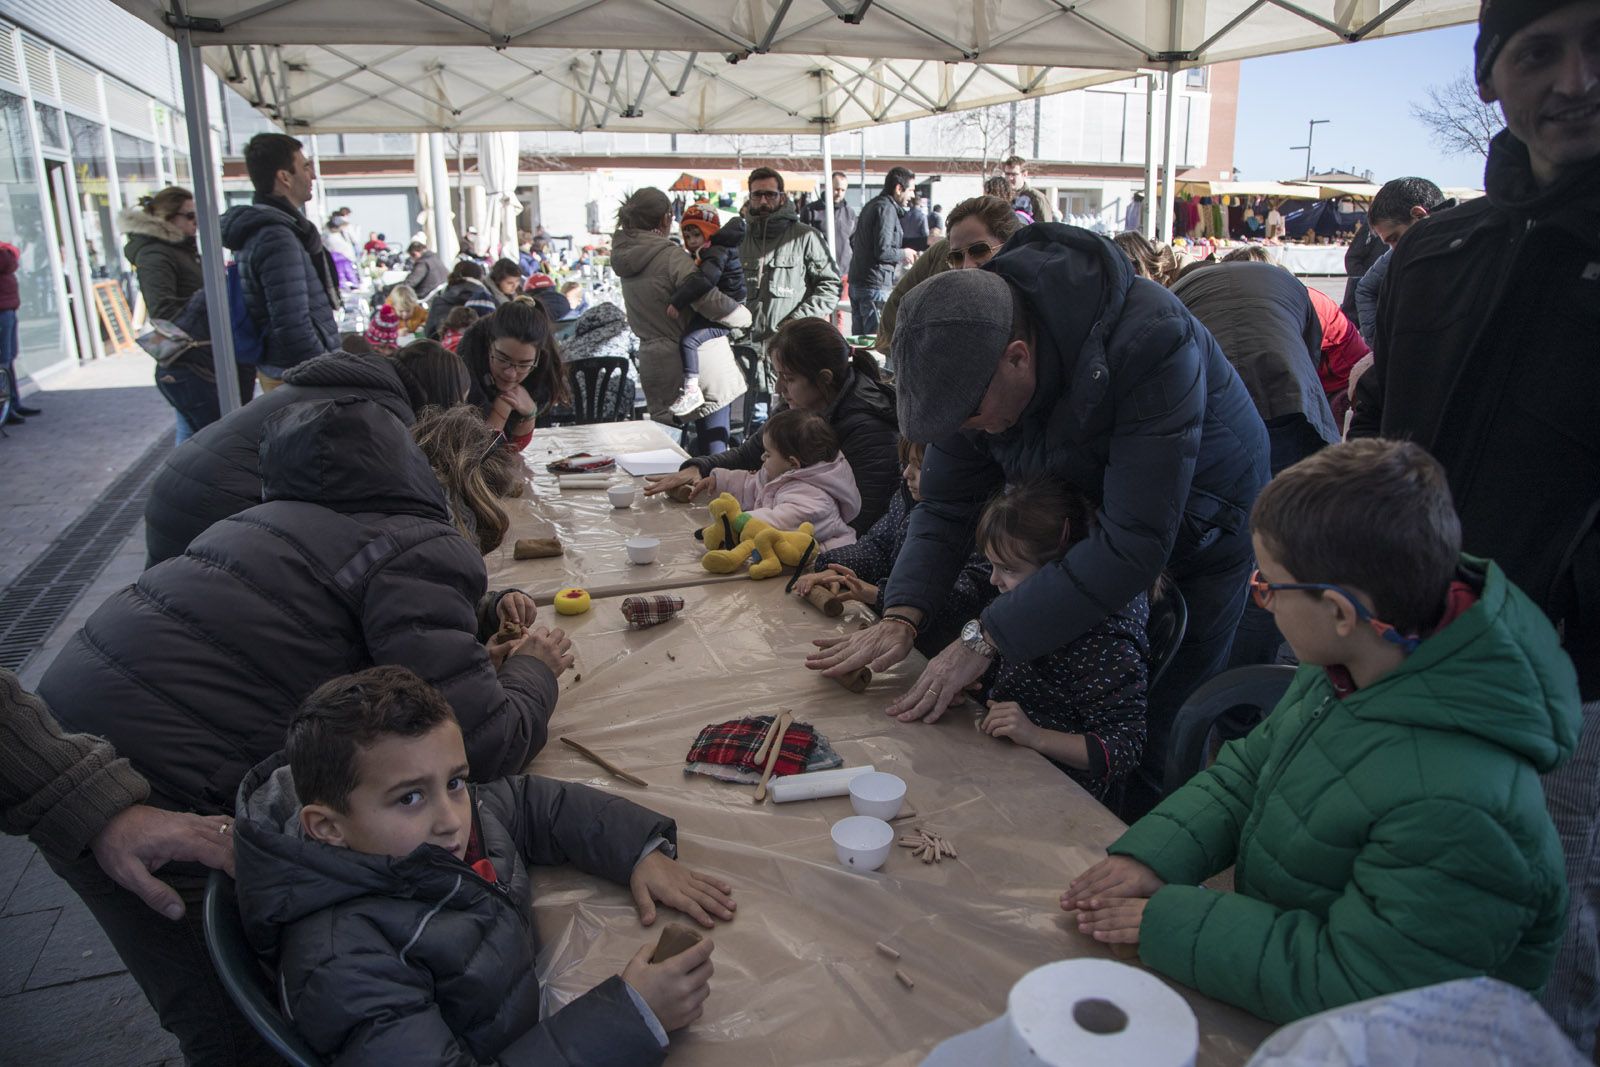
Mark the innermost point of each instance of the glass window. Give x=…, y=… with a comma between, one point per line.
x=181, y=174
x=1197, y=77
x=93, y=173
x=50, y=134
x=136, y=167
x=23, y=223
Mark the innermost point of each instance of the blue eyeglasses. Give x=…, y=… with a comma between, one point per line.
x=1262, y=590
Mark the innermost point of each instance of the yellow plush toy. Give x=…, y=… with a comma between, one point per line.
x=734, y=535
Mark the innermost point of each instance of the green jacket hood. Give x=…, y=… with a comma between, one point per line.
x=1497, y=672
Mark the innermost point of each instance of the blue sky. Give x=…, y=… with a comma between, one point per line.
x=1366, y=90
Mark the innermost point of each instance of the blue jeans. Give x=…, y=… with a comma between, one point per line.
x=866, y=307
x=8, y=337
x=194, y=397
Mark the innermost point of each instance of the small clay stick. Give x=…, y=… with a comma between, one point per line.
x=825, y=602
x=536, y=548
x=675, y=938
x=905, y=979
x=905, y=813
x=885, y=950
x=857, y=682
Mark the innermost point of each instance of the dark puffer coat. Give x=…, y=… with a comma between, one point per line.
x=420, y=960
x=194, y=672
x=863, y=416
x=217, y=472
x=290, y=289
x=1135, y=405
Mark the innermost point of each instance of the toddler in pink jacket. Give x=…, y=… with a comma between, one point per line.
x=803, y=478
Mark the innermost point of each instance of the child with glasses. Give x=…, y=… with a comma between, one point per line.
x=1385, y=824
x=715, y=247
x=1082, y=706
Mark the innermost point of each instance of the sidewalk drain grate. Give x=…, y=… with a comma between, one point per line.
x=39, y=598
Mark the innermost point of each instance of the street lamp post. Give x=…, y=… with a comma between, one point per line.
x=1311, y=132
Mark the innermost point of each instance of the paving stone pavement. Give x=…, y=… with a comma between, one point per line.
x=65, y=997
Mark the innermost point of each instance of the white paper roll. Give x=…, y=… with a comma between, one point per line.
x=1078, y=1013
x=834, y=783
x=583, y=481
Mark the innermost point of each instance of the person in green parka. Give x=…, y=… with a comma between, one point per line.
x=1385, y=823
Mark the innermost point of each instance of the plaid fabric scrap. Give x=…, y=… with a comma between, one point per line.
x=645, y=611
x=734, y=744
x=581, y=463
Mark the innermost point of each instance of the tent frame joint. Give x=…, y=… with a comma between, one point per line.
x=192, y=23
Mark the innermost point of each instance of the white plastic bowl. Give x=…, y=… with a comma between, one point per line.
x=643, y=550
x=862, y=842
x=877, y=794
x=621, y=496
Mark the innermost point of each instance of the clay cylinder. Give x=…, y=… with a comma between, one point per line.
x=825, y=602
x=681, y=494
x=857, y=682
x=536, y=548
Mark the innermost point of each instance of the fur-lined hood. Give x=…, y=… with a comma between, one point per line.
x=136, y=221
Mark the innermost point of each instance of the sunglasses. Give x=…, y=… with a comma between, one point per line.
x=978, y=250
x=1263, y=591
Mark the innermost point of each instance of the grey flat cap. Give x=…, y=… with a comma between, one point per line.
x=948, y=340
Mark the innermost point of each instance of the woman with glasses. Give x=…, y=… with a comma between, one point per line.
x=515, y=369
x=166, y=261
x=977, y=228
x=367, y=551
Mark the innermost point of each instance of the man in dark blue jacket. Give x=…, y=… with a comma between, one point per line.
x=1056, y=361
x=875, y=250
x=290, y=288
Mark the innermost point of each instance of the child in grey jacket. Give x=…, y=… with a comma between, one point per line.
x=395, y=898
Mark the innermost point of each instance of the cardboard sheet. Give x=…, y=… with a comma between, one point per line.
x=797, y=978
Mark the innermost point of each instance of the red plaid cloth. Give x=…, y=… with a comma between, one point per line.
x=644, y=611
x=735, y=743
x=581, y=463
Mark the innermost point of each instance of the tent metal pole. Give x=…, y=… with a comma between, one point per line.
x=1147, y=217
x=441, y=194
x=207, y=204
x=1169, y=167
x=830, y=235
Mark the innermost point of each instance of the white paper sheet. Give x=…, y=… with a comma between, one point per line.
x=656, y=461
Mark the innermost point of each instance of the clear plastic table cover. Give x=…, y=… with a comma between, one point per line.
x=592, y=532
x=798, y=980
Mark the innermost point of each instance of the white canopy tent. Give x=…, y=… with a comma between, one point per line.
x=725, y=66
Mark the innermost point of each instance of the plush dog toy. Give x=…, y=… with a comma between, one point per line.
x=735, y=535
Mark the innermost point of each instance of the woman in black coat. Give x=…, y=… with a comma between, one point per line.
x=818, y=371
x=359, y=556
x=217, y=472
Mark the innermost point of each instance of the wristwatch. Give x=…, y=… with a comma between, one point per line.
x=972, y=638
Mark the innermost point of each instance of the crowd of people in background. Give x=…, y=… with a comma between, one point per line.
x=1054, y=438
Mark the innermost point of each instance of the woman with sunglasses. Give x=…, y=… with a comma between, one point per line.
x=977, y=228
x=166, y=262
x=367, y=551
x=515, y=367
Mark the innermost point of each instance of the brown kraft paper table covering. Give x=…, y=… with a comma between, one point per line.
x=592, y=532
x=797, y=978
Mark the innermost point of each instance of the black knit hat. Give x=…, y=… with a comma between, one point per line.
x=1499, y=21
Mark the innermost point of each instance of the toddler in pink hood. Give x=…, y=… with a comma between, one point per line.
x=803, y=478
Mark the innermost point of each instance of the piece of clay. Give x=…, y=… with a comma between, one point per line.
x=905, y=979
x=681, y=494
x=536, y=548
x=675, y=938
x=825, y=602
x=857, y=682
x=887, y=951
x=510, y=631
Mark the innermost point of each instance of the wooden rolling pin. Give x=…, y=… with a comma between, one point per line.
x=825, y=601
x=536, y=548
x=584, y=481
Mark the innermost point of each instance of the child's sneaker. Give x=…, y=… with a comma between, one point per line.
x=691, y=399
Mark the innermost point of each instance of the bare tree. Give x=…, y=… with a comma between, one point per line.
x=984, y=136
x=1458, y=122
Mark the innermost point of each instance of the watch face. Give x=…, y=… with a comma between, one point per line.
x=972, y=631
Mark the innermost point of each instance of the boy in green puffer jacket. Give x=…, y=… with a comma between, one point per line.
x=1386, y=822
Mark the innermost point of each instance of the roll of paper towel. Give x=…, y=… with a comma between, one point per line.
x=1078, y=1013
x=834, y=783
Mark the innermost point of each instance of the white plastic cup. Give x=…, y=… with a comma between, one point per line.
x=622, y=496
x=862, y=842
x=643, y=550
x=877, y=794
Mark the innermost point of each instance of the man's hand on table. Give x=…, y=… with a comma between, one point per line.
x=658, y=879
x=553, y=648
x=943, y=682
x=879, y=646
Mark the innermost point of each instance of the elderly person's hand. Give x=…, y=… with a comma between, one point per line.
x=140, y=840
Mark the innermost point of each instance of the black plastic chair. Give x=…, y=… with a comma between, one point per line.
x=1169, y=621
x=1233, y=702
x=242, y=975
x=602, y=391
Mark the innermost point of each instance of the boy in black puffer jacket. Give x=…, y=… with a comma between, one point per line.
x=394, y=898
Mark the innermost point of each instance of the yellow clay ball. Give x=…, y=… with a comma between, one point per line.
x=572, y=602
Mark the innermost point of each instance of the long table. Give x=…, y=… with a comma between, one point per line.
x=798, y=980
